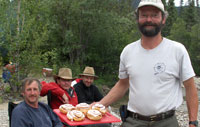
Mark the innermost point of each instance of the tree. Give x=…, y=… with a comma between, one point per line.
x=190, y=15
x=24, y=32
x=172, y=11
x=181, y=8
x=92, y=29
x=164, y=2
x=179, y=33
x=195, y=47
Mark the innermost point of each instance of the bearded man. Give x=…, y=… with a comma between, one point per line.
x=153, y=69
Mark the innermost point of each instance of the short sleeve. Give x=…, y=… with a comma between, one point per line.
x=185, y=66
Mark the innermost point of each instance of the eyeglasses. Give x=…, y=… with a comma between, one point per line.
x=152, y=16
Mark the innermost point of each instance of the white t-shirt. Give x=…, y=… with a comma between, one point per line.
x=155, y=76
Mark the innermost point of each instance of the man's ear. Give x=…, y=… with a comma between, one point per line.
x=164, y=20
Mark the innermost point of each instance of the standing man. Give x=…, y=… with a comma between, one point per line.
x=30, y=112
x=61, y=89
x=86, y=91
x=153, y=69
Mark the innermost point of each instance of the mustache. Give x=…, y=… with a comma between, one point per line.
x=32, y=96
x=149, y=24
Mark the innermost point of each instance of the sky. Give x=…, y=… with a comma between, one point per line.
x=177, y=2
x=185, y=2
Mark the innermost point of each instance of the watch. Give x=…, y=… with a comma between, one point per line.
x=195, y=123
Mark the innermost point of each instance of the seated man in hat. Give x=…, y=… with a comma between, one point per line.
x=62, y=92
x=86, y=91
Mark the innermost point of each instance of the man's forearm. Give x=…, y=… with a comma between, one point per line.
x=191, y=99
x=116, y=92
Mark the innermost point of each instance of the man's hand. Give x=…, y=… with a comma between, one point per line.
x=65, y=99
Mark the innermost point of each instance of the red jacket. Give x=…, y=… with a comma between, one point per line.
x=57, y=93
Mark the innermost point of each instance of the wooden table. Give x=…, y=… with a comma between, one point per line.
x=107, y=118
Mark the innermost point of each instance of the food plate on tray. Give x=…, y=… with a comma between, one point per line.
x=107, y=118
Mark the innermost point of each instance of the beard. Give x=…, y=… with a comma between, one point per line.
x=156, y=28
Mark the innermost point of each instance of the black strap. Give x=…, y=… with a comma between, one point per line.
x=123, y=112
x=70, y=91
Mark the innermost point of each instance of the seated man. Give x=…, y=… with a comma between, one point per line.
x=62, y=92
x=30, y=112
x=86, y=91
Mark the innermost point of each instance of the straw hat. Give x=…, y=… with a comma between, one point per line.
x=89, y=71
x=64, y=73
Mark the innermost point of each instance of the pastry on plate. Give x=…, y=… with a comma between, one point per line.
x=100, y=108
x=83, y=107
x=75, y=115
x=66, y=108
x=94, y=114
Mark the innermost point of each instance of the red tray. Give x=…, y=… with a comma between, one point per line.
x=107, y=118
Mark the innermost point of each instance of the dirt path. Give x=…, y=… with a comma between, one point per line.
x=4, y=106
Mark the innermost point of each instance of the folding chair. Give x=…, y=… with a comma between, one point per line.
x=49, y=98
x=11, y=106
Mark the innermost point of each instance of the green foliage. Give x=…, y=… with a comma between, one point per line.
x=180, y=33
x=1, y=100
x=89, y=30
x=7, y=89
x=172, y=11
x=195, y=47
x=190, y=39
x=190, y=15
x=24, y=32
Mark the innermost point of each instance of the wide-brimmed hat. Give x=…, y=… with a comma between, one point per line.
x=64, y=73
x=89, y=71
x=156, y=3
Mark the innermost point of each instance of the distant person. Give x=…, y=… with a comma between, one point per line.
x=153, y=69
x=11, y=67
x=61, y=89
x=6, y=75
x=86, y=91
x=8, y=70
x=30, y=112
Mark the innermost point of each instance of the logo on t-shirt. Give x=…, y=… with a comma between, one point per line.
x=159, y=68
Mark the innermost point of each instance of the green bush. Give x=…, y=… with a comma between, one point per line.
x=7, y=89
x=1, y=100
